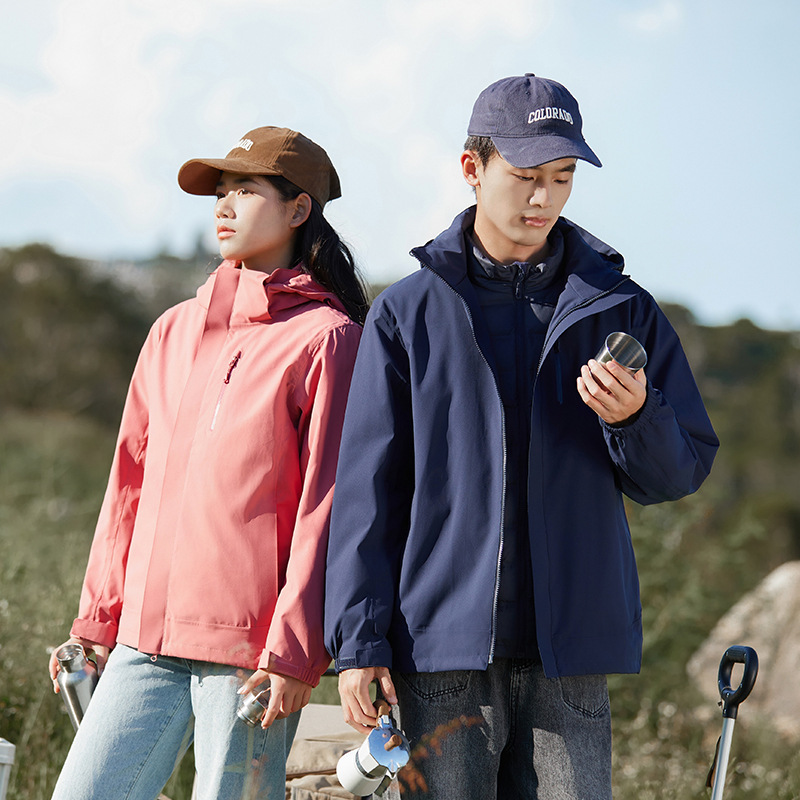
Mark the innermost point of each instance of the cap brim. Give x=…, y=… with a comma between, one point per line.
x=201, y=175
x=532, y=151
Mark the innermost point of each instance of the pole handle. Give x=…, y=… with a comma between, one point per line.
x=731, y=698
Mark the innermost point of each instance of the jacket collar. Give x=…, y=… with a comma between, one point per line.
x=262, y=296
x=592, y=265
x=594, y=275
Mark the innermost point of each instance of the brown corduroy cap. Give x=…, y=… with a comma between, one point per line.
x=267, y=151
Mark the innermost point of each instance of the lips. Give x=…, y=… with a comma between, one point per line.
x=536, y=222
x=224, y=232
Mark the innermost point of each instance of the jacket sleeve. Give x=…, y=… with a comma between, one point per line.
x=372, y=506
x=667, y=452
x=103, y=586
x=295, y=645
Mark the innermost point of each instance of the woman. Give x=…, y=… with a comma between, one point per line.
x=207, y=565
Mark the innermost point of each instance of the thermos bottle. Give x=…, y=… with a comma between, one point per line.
x=76, y=680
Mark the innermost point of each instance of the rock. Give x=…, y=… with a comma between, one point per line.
x=768, y=620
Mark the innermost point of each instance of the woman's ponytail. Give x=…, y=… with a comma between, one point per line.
x=325, y=256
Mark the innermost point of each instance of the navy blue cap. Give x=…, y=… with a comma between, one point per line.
x=531, y=121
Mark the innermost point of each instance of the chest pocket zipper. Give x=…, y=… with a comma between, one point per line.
x=231, y=367
x=559, y=377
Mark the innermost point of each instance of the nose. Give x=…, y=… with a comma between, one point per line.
x=540, y=196
x=222, y=208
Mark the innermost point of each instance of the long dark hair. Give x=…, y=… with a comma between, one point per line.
x=321, y=253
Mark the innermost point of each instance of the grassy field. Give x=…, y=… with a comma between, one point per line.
x=50, y=488
x=52, y=474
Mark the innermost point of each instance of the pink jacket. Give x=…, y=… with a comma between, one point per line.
x=230, y=567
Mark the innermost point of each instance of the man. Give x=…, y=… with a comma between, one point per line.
x=480, y=567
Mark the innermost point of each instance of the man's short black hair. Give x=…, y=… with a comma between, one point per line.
x=483, y=147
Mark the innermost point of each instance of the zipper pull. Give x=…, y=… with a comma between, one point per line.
x=232, y=366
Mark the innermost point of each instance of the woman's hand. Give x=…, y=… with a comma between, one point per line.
x=611, y=391
x=286, y=694
x=100, y=654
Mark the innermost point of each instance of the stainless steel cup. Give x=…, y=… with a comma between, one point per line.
x=76, y=678
x=252, y=707
x=624, y=349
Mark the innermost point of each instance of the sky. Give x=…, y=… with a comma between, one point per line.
x=693, y=107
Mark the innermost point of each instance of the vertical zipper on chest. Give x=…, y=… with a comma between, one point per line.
x=231, y=367
x=559, y=378
x=578, y=307
x=522, y=307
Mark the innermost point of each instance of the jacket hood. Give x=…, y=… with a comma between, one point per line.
x=261, y=296
x=587, y=254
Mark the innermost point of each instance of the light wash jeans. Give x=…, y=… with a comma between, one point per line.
x=508, y=733
x=143, y=716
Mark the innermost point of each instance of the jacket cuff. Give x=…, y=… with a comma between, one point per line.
x=103, y=633
x=374, y=657
x=273, y=663
x=646, y=412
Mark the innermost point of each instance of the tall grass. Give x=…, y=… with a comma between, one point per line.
x=51, y=481
x=53, y=472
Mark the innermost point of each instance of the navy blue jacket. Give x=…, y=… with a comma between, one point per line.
x=416, y=528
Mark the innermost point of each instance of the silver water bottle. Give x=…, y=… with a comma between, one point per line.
x=76, y=680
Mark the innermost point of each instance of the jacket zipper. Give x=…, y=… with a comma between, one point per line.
x=496, y=594
x=231, y=367
x=559, y=376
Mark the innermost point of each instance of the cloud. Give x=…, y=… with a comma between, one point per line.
x=665, y=16
x=472, y=21
x=119, y=93
x=93, y=116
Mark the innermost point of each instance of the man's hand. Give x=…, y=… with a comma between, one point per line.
x=359, y=713
x=611, y=391
x=100, y=654
x=286, y=695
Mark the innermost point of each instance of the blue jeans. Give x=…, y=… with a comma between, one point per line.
x=508, y=732
x=143, y=716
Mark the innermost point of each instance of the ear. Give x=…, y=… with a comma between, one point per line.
x=470, y=165
x=301, y=209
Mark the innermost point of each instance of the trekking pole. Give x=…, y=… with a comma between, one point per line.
x=731, y=698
